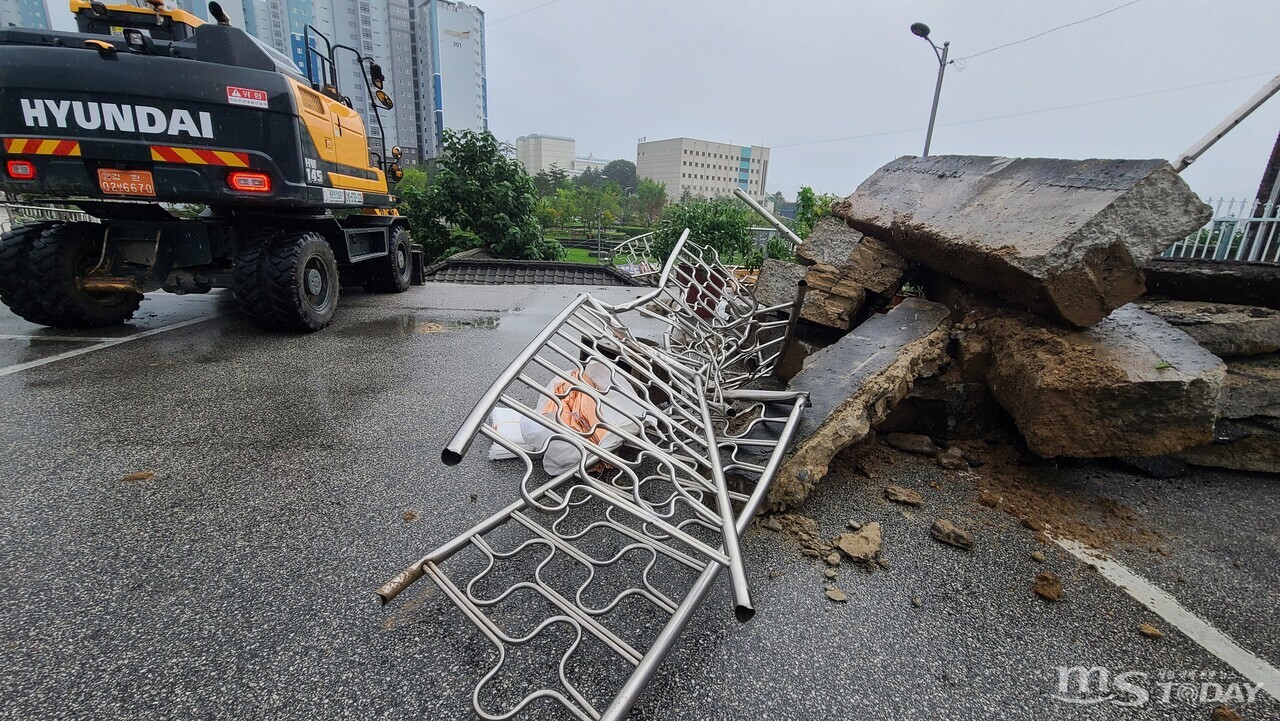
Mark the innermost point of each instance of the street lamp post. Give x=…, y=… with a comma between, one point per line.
x=922, y=31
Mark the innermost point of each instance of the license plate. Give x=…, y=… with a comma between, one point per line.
x=126, y=182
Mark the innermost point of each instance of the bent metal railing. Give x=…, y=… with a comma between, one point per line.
x=638, y=479
x=1240, y=230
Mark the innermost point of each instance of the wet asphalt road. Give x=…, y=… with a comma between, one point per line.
x=237, y=582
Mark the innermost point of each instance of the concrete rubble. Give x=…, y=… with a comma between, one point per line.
x=854, y=383
x=841, y=267
x=828, y=303
x=1223, y=329
x=1066, y=239
x=1031, y=269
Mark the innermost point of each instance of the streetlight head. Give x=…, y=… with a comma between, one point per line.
x=920, y=30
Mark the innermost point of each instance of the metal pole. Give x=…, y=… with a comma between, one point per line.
x=1234, y=119
x=777, y=224
x=937, y=92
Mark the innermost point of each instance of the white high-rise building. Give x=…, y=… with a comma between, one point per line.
x=26, y=13
x=704, y=168
x=452, y=91
x=382, y=30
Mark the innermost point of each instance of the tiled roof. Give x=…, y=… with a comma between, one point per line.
x=537, y=272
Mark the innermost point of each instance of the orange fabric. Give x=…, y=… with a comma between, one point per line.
x=577, y=409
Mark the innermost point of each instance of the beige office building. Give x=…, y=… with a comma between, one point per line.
x=538, y=153
x=704, y=168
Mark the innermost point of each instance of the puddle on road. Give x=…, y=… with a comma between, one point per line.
x=411, y=324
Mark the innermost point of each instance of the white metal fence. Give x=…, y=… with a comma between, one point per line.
x=1242, y=230
x=12, y=215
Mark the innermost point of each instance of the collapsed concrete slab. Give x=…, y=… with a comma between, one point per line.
x=858, y=259
x=1066, y=239
x=1251, y=388
x=1252, y=445
x=1218, y=281
x=1131, y=385
x=853, y=385
x=1223, y=329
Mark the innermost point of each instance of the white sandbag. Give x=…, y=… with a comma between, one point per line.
x=582, y=413
x=507, y=423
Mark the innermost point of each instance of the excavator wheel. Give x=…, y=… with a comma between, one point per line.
x=288, y=281
x=62, y=255
x=391, y=274
x=16, y=290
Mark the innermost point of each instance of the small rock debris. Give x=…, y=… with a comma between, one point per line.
x=952, y=459
x=898, y=494
x=837, y=595
x=912, y=443
x=917, y=601
x=1225, y=713
x=139, y=476
x=1150, y=631
x=951, y=534
x=863, y=545
x=1048, y=586
x=410, y=516
x=1037, y=556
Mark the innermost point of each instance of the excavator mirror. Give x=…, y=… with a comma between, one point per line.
x=396, y=152
x=395, y=171
x=375, y=74
x=384, y=100
x=215, y=12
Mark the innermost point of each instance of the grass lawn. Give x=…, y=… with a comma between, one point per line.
x=579, y=255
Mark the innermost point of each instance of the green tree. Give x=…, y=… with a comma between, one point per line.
x=589, y=178
x=549, y=181
x=653, y=198
x=477, y=197
x=720, y=223
x=622, y=172
x=810, y=208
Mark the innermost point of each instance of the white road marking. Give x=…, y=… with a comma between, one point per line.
x=1167, y=607
x=106, y=343
x=58, y=338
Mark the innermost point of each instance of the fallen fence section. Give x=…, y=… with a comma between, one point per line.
x=643, y=463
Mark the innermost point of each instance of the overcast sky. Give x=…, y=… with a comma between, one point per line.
x=799, y=75
x=790, y=73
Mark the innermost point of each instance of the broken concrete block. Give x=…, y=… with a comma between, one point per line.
x=1224, y=330
x=1217, y=281
x=831, y=242
x=1251, y=445
x=854, y=383
x=831, y=300
x=777, y=282
x=1132, y=385
x=1064, y=238
x=1251, y=388
x=859, y=259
